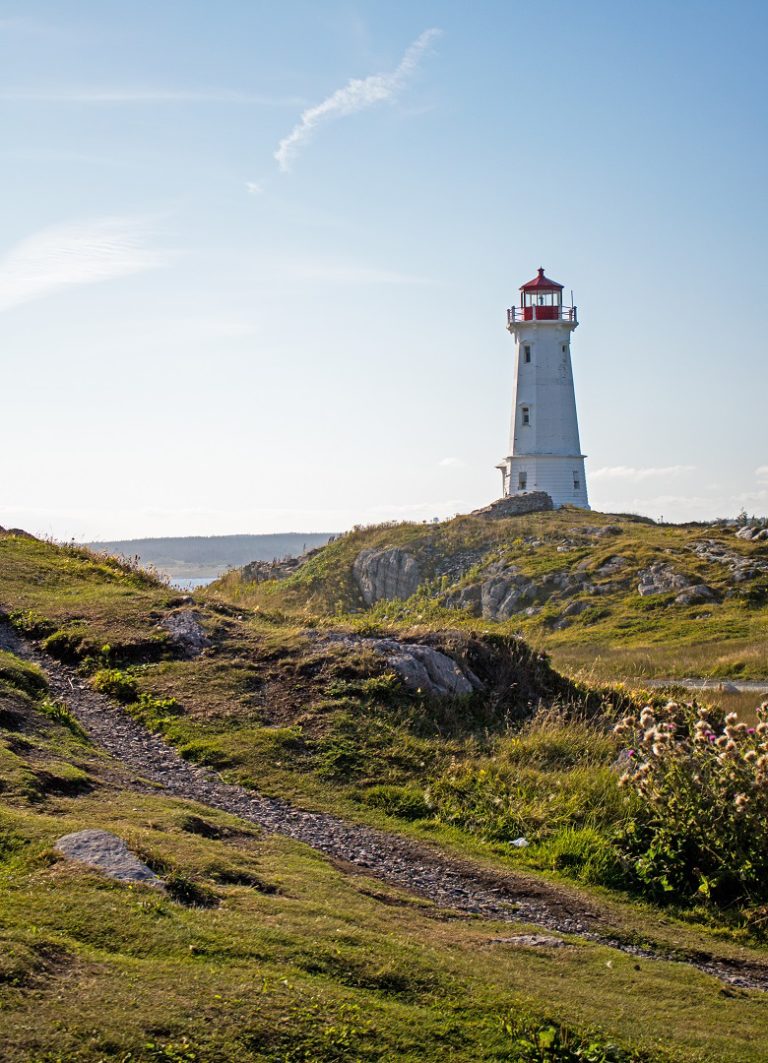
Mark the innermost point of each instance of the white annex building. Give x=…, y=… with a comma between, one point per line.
x=544, y=449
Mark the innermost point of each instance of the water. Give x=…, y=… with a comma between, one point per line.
x=191, y=584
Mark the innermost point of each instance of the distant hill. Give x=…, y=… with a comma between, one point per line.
x=208, y=556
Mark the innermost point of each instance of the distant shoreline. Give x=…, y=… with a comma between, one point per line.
x=206, y=557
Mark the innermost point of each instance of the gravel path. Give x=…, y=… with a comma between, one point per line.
x=447, y=881
x=742, y=686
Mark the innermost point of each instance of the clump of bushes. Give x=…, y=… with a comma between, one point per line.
x=116, y=684
x=152, y=711
x=701, y=788
x=405, y=802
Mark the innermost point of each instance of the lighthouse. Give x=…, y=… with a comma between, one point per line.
x=544, y=449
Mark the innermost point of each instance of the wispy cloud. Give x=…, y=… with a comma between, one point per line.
x=761, y=472
x=452, y=463
x=357, y=95
x=79, y=253
x=98, y=95
x=627, y=472
x=254, y=188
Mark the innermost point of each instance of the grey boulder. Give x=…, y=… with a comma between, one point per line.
x=106, y=853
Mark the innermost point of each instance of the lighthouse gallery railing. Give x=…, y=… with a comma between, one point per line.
x=516, y=314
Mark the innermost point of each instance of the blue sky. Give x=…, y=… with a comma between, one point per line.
x=255, y=258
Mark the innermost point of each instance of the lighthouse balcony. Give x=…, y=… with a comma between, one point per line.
x=517, y=314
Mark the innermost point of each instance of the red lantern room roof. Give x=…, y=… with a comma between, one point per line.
x=541, y=283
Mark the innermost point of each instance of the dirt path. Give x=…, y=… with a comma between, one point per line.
x=447, y=881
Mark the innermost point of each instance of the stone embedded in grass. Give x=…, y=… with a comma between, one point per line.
x=531, y=941
x=106, y=853
x=186, y=632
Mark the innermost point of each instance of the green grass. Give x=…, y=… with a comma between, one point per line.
x=269, y=952
x=266, y=951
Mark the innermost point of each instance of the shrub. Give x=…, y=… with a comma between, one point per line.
x=116, y=684
x=584, y=854
x=61, y=714
x=405, y=802
x=702, y=784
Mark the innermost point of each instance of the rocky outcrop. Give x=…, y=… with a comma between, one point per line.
x=660, y=578
x=516, y=505
x=280, y=568
x=427, y=670
x=186, y=632
x=506, y=591
x=106, y=853
x=499, y=597
x=383, y=575
x=739, y=568
x=753, y=533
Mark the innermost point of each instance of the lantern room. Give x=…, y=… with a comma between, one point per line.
x=541, y=300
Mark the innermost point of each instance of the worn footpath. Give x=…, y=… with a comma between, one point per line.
x=448, y=882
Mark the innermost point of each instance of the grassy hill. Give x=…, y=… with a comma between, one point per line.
x=265, y=949
x=568, y=581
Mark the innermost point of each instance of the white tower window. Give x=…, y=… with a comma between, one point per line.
x=527, y=352
x=522, y=481
x=576, y=480
x=526, y=411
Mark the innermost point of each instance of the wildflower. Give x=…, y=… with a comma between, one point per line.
x=731, y=718
x=750, y=730
x=741, y=801
x=750, y=755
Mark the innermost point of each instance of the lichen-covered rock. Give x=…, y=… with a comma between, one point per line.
x=469, y=598
x=186, y=631
x=661, y=578
x=505, y=594
x=425, y=669
x=106, y=853
x=383, y=575
x=696, y=595
x=611, y=566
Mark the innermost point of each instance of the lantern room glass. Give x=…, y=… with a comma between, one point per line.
x=542, y=298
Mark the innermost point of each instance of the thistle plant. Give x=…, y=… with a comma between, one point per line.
x=699, y=824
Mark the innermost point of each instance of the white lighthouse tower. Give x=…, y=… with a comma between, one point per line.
x=544, y=449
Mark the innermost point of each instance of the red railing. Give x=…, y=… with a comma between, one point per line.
x=516, y=314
